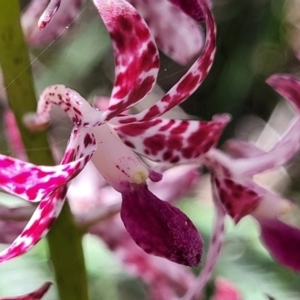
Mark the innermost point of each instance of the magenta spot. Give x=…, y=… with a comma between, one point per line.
x=167, y=156
x=188, y=84
x=181, y=128
x=137, y=129
x=167, y=126
x=124, y=23
x=87, y=140
x=155, y=143
x=21, y=178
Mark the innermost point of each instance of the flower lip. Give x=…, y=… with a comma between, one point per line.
x=160, y=228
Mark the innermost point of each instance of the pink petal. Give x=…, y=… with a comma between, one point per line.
x=282, y=241
x=136, y=55
x=160, y=16
x=81, y=144
x=160, y=228
x=61, y=14
x=172, y=140
x=190, y=81
x=34, y=183
x=288, y=87
x=36, y=295
x=38, y=226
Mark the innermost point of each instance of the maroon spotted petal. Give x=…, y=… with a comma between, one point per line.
x=36, y=295
x=136, y=55
x=282, y=241
x=33, y=183
x=288, y=87
x=160, y=228
x=173, y=141
x=190, y=81
x=81, y=144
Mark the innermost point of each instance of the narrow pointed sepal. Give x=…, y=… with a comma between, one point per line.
x=160, y=228
x=282, y=241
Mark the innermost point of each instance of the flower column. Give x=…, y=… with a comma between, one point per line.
x=64, y=239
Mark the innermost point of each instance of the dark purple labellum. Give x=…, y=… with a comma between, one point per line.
x=160, y=228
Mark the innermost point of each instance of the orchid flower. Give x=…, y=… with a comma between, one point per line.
x=172, y=234
x=36, y=295
x=239, y=195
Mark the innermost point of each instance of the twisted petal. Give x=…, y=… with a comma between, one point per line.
x=282, y=241
x=160, y=228
x=81, y=144
x=36, y=295
x=78, y=109
x=190, y=81
x=172, y=141
x=160, y=16
x=36, y=17
x=136, y=55
x=288, y=87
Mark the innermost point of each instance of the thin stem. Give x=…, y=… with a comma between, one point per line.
x=64, y=239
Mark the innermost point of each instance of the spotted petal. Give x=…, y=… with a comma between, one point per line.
x=190, y=81
x=82, y=144
x=237, y=191
x=136, y=55
x=36, y=17
x=33, y=183
x=78, y=109
x=165, y=140
x=36, y=295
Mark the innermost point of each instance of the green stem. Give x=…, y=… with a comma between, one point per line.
x=64, y=238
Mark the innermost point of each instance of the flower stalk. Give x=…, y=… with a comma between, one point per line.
x=65, y=238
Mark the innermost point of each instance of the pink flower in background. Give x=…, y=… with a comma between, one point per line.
x=225, y=290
